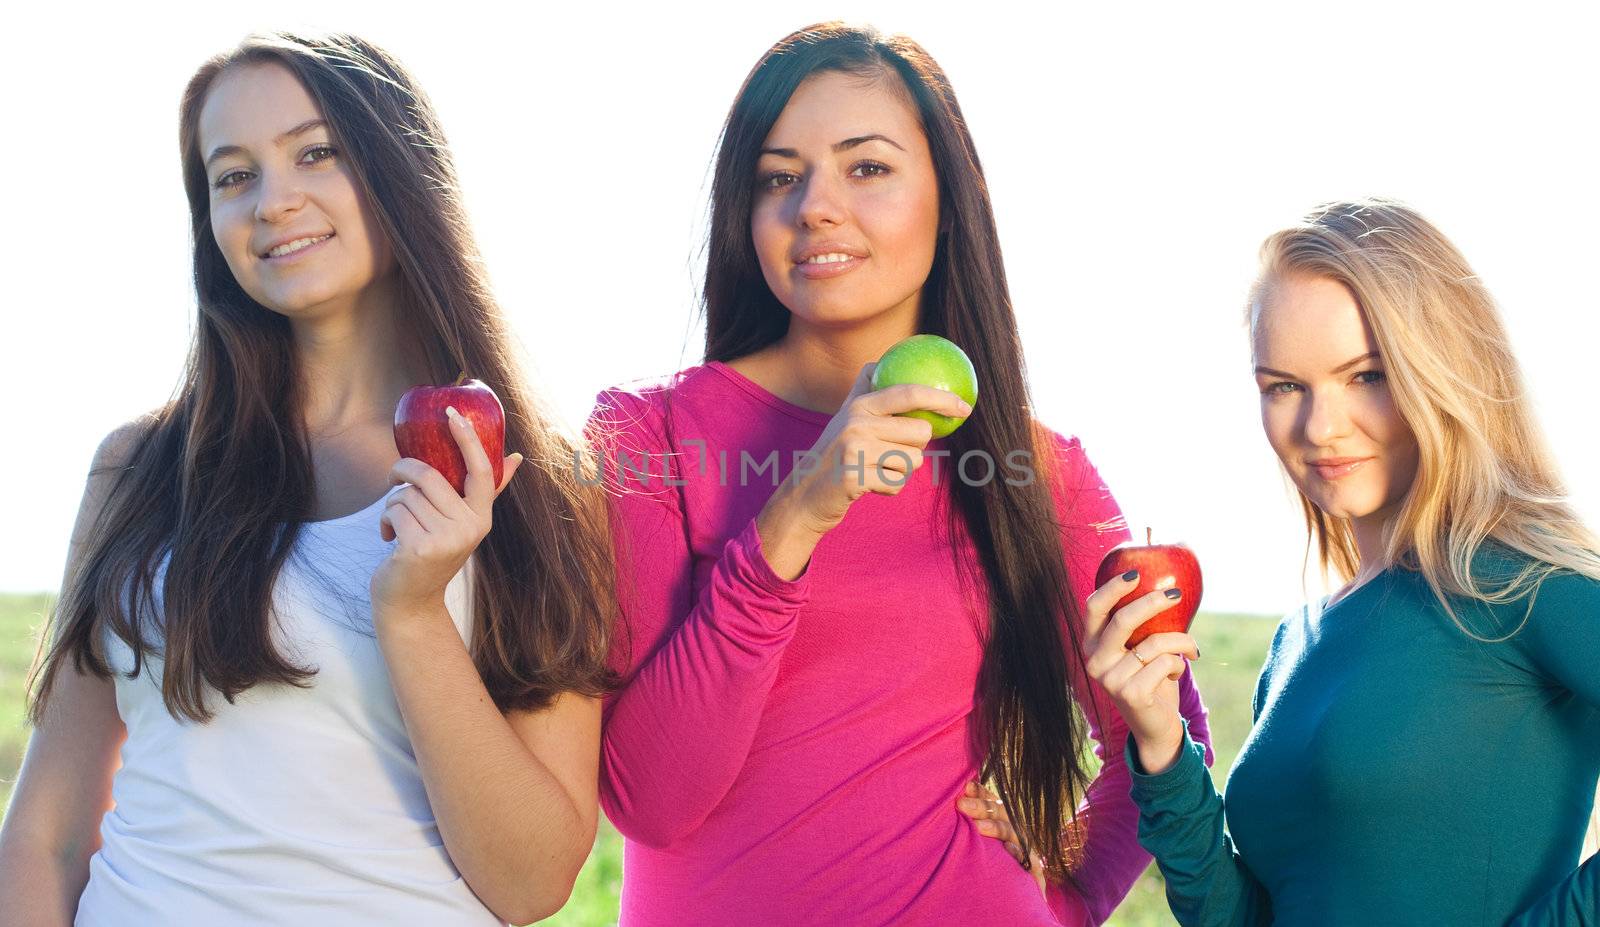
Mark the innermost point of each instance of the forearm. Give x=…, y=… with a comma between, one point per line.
x=1181, y=823
x=1112, y=859
x=785, y=540
x=678, y=734
x=1157, y=757
x=41, y=887
x=63, y=790
x=517, y=836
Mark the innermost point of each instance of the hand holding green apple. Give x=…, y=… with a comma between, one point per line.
x=931, y=361
x=868, y=446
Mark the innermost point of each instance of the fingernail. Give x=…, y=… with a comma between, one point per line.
x=966, y=409
x=1130, y=576
x=451, y=413
x=1173, y=594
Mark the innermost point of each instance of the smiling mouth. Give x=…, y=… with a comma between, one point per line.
x=828, y=265
x=1337, y=471
x=299, y=244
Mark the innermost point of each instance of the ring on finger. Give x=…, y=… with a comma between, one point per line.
x=1140, y=657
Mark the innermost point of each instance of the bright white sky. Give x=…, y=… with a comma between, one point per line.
x=1136, y=158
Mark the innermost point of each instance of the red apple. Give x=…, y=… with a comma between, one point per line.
x=1160, y=566
x=422, y=430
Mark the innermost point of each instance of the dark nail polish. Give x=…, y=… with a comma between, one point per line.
x=1174, y=594
x=1130, y=576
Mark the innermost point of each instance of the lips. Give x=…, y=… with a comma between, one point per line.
x=1333, y=468
x=293, y=244
x=828, y=251
x=828, y=259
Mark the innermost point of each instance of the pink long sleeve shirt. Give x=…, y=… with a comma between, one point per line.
x=790, y=752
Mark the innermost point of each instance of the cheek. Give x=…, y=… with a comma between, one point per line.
x=230, y=228
x=904, y=222
x=1278, y=421
x=767, y=236
x=357, y=223
x=1382, y=423
x=1387, y=428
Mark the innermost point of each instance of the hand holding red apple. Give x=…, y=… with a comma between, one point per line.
x=1160, y=566
x=436, y=525
x=1141, y=679
x=422, y=430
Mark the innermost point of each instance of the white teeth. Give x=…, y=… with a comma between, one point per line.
x=296, y=245
x=833, y=258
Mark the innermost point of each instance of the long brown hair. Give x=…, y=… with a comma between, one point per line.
x=221, y=479
x=1032, y=739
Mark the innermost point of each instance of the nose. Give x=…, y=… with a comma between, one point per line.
x=1327, y=419
x=280, y=196
x=820, y=203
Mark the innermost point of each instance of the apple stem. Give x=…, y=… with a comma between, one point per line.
x=1147, y=537
x=461, y=379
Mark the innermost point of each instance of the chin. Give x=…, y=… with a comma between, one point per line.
x=831, y=316
x=839, y=310
x=1348, y=506
x=299, y=304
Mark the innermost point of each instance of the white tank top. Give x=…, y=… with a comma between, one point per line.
x=291, y=806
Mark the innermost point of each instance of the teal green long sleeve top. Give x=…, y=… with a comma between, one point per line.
x=1399, y=772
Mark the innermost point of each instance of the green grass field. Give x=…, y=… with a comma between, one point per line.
x=1233, y=645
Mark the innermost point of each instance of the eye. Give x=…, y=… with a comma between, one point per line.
x=231, y=179
x=1280, y=388
x=322, y=152
x=1371, y=377
x=869, y=169
x=777, y=180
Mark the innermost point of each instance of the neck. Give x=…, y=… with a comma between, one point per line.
x=1370, y=533
x=821, y=363
x=355, y=363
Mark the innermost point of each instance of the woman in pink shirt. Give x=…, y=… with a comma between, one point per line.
x=819, y=659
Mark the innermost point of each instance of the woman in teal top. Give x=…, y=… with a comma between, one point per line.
x=1427, y=742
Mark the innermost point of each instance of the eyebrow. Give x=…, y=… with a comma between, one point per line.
x=1370, y=355
x=845, y=145
x=222, y=151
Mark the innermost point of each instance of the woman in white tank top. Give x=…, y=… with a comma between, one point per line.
x=293, y=678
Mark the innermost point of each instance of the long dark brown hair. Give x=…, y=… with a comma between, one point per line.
x=221, y=478
x=1032, y=739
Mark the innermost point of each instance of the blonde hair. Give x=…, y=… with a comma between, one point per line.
x=1484, y=471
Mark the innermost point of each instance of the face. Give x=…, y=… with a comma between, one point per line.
x=286, y=210
x=1326, y=404
x=846, y=210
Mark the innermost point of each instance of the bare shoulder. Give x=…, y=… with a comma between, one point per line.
x=116, y=449
x=114, y=454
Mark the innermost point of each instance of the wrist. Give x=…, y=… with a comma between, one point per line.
x=1159, y=754
x=399, y=620
x=787, y=542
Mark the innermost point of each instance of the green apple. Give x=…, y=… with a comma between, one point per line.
x=932, y=361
